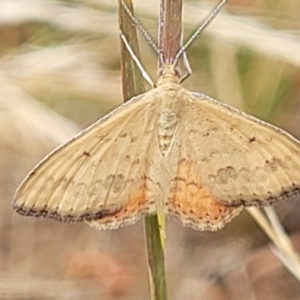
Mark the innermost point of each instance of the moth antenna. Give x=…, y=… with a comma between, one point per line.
x=143, y=31
x=203, y=25
x=186, y=63
x=136, y=60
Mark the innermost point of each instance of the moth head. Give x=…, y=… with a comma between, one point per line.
x=168, y=73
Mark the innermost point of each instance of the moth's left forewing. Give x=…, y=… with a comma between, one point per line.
x=240, y=159
x=190, y=200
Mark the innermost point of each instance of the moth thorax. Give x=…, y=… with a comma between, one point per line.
x=166, y=129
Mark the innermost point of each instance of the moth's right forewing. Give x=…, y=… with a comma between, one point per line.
x=98, y=172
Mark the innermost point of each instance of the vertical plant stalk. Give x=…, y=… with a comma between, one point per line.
x=133, y=85
x=169, y=30
x=132, y=81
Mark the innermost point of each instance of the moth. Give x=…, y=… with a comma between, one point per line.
x=168, y=150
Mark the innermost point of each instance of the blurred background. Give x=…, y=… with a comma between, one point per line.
x=60, y=71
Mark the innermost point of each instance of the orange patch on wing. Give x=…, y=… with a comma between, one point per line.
x=137, y=203
x=193, y=204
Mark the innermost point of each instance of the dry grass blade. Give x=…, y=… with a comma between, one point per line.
x=131, y=86
x=283, y=246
